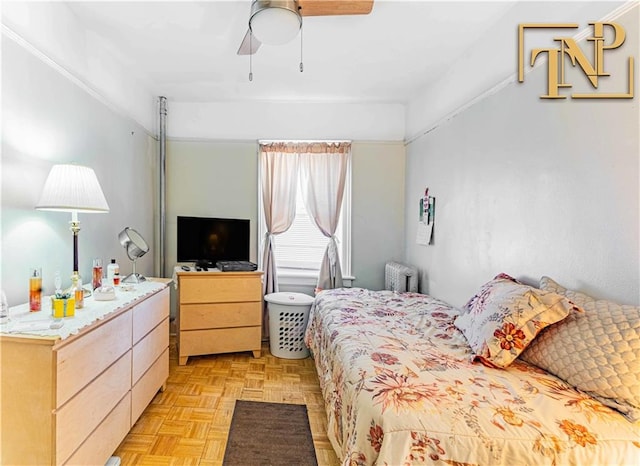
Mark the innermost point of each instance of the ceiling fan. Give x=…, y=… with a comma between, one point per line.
x=275, y=22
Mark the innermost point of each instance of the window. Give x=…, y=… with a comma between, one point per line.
x=299, y=250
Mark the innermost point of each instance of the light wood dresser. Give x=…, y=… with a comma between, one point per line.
x=73, y=400
x=218, y=312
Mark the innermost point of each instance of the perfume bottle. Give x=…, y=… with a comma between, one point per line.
x=4, y=308
x=97, y=273
x=35, y=289
x=78, y=292
x=57, y=282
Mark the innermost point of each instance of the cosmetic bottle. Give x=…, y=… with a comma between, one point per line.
x=96, y=276
x=78, y=292
x=4, y=308
x=57, y=282
x=113, y=273
x=35, y=289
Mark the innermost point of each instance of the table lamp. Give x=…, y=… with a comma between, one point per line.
x=73, y=188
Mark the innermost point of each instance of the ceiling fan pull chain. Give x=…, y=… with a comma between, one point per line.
x=250, y=55
x=301, y=67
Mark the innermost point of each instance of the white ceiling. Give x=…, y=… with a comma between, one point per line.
x=186, y=50
x=388, y=75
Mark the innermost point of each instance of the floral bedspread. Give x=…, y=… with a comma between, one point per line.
x=400, y=389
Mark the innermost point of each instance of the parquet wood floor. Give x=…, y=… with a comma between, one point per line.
x=188, y=423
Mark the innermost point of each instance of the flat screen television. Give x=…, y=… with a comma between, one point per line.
x=212, y=239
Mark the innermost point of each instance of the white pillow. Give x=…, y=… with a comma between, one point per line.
x=597, y=351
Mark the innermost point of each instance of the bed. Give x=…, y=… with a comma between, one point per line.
x=403, y=384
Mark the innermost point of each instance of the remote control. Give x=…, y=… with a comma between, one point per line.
x=186, y=268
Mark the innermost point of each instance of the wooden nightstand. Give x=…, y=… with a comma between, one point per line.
x=218, y=312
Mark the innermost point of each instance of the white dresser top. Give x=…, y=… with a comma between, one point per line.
x=24, y=322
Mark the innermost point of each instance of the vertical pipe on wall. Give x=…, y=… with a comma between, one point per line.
x=163, y=183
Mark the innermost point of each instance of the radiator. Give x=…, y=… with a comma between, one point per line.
x=400, y=277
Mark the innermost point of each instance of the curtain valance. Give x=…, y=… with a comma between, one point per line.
x=343, y=147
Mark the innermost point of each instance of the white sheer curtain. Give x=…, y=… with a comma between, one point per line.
x=323, y=172
x=279, y=179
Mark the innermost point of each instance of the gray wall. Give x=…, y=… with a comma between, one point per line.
x=211, y=179
x=532, y=187
x=46, y=119
x=217, y=178
x=377, y=210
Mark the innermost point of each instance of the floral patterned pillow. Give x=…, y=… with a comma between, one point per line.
x=505, y=316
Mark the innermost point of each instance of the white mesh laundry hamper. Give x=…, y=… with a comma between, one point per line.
x=288, y=316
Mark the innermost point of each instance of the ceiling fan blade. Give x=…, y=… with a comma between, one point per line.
x=335, y=7
x=249, y=45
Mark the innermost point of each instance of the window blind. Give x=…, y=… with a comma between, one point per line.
x=301, y=246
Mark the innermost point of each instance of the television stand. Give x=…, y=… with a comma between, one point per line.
x=218, y=313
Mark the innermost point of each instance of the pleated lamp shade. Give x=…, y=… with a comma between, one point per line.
x=72, y=188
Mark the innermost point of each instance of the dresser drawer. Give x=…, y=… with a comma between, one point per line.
x=150, y=313
x=222, y=289
x=103, y=441
x=83, y=359
x=149, y=348
x=226, y=340
x=203, y=316
x=146, y=388
x=85, y=411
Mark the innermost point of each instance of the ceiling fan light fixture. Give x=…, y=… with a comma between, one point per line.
x=274, y=22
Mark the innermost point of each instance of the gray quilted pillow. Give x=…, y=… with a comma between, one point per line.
x=596, y=351
x=576, y=297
